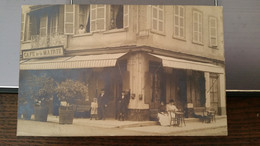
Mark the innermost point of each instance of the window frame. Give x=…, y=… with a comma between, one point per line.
x=199, y=27
x=158, y=9
x=73, y=20
x=179, y=27
x=216, y=32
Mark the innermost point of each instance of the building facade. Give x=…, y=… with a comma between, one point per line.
x=155, y=52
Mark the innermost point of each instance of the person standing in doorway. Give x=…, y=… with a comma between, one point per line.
x=123, y=106
x=102, y=105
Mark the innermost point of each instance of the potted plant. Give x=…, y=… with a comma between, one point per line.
x=68, y=92
x=43, y=91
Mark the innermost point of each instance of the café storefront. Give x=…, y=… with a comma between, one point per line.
x=150, y=78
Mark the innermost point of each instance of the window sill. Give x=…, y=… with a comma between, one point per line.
x=158, y=32
x=198, y=43
x=82, y=35
x=115, y=30
x=214, y=47
x=179, y=38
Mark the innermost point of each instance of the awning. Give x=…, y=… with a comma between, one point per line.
x=191, y=65
x=89, y=61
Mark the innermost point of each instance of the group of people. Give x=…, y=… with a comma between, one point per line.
x=99, y=105
x=165, y=115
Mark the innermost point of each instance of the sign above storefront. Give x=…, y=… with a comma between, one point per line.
x=42, y=53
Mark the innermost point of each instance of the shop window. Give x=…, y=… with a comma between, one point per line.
x=158, y=18
x=212, y=32
x=197, y=27
x=179, y=22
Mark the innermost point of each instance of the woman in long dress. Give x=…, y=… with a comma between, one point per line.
x=165, y=117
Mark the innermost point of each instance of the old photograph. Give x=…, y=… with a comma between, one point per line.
x=122, y=70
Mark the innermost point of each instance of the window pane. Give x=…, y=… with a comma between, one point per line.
x=69, y=8
x=196, y=27
x=181, y=32
x=160, y=26
x=100, y=13
x=93, y=25
x=69, y=17
x=181, y=11
x=161, y=15
x=176, y=20
x=213, y=32
x=100, y=24
x=93, y=14
x=176, y=10
x=69, y=28
x=176, y=31
x=195, y=36
x=181, y=22
x=154, y=24
x=154, y=12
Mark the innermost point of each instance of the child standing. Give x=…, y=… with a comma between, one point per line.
x=94, y=107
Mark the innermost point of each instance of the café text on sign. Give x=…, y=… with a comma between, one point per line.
x=42, y=53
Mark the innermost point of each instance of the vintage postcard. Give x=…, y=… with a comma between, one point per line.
x=122, y=70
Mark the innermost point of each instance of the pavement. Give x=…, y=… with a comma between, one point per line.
x=113, y=127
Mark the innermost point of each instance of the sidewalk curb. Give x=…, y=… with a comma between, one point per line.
x=149, y=123
x=184, y=131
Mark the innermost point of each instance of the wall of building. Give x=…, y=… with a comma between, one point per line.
x=166, y=41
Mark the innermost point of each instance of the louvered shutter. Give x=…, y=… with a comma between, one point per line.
x=161, y=18
x=200, y=27
x=101, y=18
x=195, y=26
x=69, y=19
x=126, y=16
x=213, y=31
x=93, y=11
x=154, y=18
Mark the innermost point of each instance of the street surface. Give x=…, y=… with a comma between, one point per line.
x=87, y=127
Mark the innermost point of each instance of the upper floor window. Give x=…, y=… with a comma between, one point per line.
x=212, y=32
x=179, y=22
x=158, y=18
x=197, y=27
x=84, y=19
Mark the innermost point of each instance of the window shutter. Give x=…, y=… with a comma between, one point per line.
x=213, y=31
x=23, y=19
x=161, y=18
x=93, y=18
x=101, y=18
x=200, y=27
x=44, y=26
x=69, y=19
x=126, y=16
x=195, y=26
x=97, y=18
x=182, y=21
x=154, y=18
